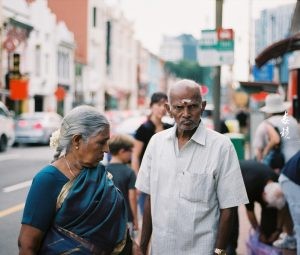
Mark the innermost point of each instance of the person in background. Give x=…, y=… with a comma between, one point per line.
x=266, y=136
x=72, y=205
x=262, y=188
x=145, y=131
x=289, y=180
x=242, y=117
x=187, y=172
x=120, y=147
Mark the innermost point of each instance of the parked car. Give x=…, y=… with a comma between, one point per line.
x=7, y=133
x=36, y=128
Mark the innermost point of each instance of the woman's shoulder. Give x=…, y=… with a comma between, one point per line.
x=50, y=173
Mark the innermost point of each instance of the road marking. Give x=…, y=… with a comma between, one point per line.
x=8, y=157
x=15, y=187
x=11, y=210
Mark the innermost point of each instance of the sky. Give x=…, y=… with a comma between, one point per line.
x=155, y=18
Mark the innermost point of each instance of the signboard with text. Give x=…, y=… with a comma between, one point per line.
x=216, y=47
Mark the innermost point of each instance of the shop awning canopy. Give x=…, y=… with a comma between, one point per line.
x=278, y=49
x=256, y=87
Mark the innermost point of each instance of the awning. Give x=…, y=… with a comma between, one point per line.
x=256, y=87
x=278, y=49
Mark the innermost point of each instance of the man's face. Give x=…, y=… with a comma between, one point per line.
x=186, y=108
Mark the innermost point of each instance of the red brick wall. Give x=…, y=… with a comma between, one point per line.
x=75, y=14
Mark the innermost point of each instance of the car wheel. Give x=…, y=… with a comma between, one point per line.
x=3, y=143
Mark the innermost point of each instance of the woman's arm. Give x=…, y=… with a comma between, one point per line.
x=133, y=206
x=29, y=240
x=274, y=139
x=136, y=153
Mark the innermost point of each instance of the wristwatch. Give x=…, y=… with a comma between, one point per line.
x=220, y=251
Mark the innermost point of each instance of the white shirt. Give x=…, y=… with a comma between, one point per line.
x=188, y=188
x=290, y=142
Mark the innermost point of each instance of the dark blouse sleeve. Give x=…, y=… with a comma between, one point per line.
x=40, y=204
x=140, y=134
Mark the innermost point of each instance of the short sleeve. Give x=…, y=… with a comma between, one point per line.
x=143, y=178
x=132, y=179
x=140, y=134
x=231, y=189
x=40, y=204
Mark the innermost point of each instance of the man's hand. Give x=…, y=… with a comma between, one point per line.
x=274, y=236
x=262, y=238
x=136, y=249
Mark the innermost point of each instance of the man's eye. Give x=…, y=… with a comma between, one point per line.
x=178, y=107
x=194, y=106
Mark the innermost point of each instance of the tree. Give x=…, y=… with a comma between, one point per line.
x=188, y=70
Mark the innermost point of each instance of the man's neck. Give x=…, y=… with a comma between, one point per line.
x=184, y=136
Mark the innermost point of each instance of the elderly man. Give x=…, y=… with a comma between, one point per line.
x=193, y=179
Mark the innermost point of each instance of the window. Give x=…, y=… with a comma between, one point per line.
x=94, y=17
x=37, y=60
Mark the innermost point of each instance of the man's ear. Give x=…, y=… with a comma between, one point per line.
x=168, y=109
x=203, y=105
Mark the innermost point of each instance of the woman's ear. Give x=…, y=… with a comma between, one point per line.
x=76, y=140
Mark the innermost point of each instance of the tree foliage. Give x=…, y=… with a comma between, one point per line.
x=188, y=70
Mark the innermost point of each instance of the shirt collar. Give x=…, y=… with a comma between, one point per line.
x=199, y=136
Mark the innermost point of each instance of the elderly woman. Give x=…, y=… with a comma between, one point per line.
x=72, y=206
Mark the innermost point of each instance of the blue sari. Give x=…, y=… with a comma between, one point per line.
x=91, y=218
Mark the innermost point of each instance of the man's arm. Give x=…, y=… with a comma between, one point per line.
x=225, y=225
x=147, y=225
x=252, y=219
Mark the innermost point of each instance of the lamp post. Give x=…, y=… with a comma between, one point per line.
x=217, y=73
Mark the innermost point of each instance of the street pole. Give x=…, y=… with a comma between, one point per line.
x=217, y=73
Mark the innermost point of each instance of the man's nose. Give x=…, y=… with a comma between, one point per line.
x=186, y=112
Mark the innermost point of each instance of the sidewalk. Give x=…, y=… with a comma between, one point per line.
x=245, y=229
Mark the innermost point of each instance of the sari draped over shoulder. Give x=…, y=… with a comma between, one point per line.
x=92, y=209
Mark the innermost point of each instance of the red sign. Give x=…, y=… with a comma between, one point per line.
x=203, y=90
x=9, y=44
x=18, y=89
x=225, y=34
x=60, y=93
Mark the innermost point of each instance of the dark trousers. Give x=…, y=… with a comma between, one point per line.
x=268, y=224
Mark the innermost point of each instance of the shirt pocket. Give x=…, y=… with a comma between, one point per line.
x=196, y=187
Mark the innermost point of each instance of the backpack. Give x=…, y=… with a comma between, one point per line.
x=275, y=158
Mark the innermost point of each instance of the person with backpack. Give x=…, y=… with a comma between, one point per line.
x=266, y=137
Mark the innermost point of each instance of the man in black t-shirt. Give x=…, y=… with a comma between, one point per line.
x=256, y=177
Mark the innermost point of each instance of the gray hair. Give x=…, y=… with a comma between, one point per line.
x=83, y=120
x=274, y=195
x=185, y=83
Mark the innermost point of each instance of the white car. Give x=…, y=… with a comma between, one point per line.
x=7, y=133
x=37, y=127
